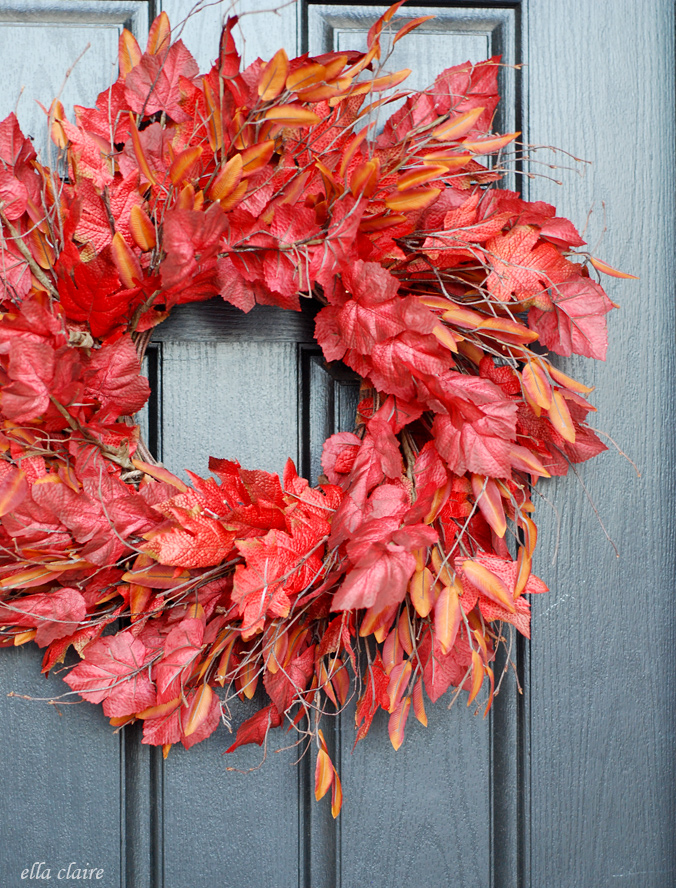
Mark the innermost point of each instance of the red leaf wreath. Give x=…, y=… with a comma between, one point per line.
x=263, y=186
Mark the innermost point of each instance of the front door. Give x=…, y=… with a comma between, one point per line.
x=570, y=781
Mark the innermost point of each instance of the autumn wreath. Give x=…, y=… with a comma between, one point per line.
x=440, y=289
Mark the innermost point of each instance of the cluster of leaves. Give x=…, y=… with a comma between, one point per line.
x=266, y=185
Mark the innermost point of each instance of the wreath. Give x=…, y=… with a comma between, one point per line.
x=396, y=577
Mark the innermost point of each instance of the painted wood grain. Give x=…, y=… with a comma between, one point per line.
x=602, y=681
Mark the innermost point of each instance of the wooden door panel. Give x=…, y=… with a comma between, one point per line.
x=426, y=813
x=61, y=775
x=570, y=785
x=602, y=682
x=40, y=40
x=63, y=787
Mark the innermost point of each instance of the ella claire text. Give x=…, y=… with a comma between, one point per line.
x=73, y=871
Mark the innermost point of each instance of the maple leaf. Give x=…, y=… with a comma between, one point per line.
x=191, y=241
x=475, y=434
x=195, y=541
x=278, y=567
x=86, y=156
x=113, y=672
x=54, y=614
x=154, y=84
x=383, y=562
x=577, y=323
x=98, y=223
x=181, y=646
x=522, y=268
x=15, y=278
x=112, y=377
x=13, y=195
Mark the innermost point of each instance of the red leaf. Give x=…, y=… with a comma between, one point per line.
x=577, y=323
x=54, y=614
x=154, y=84
x=375, y=696
x=113, y=672
x=112, y=376
x=255, y=729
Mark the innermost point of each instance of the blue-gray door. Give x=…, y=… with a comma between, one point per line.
x=570, y=784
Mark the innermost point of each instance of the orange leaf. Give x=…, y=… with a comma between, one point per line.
x=125, y=262
x=378, y=84
x=227, y=180
x=214, y=119
x=477, y=677
x=409, y=26
x=364, y=179
x=444, y=572
x=515, y=331
x=404, y=630
x=450, y=161
x=160, y=710
x=398, y=682
x=416, y=199
x=34, y=576
x=292, y=115
x=530, y=533
x=199, y=709
x=446, y=337
x=138, y=151
x=183, y=162
x=381, y=222
x=324, y=774
x=24, y=637
x=255, y=157
x=599, y=265
x=488, y=583
x=341, y=682
x=419, y=703
x=159, y=36
x=224, y=662
x=525, y=461
x=523, y=562
x=448, y=616
x=336, y=795
x=274, y=76
x=227, y=203
x=248, y=678
x=458, y=126
x=568, y=381
x=490, y=146
x=420, y=590
x=489, y=500
x=420, y=176
x=397, y=723
x=536, y=385
x=560, y=418
x=129, y=52
x=142, y=229
x=325, y=684
x=491, y=692
x=307, y=75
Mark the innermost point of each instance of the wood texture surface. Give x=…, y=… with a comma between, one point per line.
x=571, y=785
x=602, y=683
